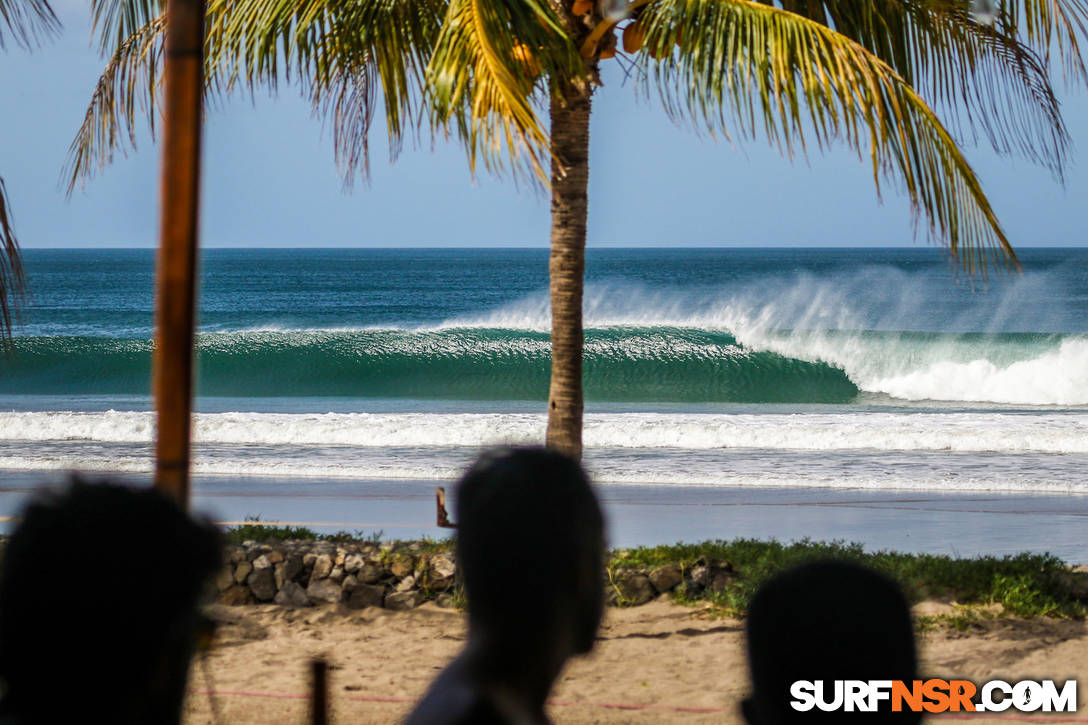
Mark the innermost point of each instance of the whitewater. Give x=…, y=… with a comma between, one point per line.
x=869, y=369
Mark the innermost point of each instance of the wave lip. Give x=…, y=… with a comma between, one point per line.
x=954, y=432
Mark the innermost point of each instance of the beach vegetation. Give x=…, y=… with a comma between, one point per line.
x=974, y=588
x=1025, y=585
x=254, y=530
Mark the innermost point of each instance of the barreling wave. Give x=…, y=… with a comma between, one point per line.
x=649, y=364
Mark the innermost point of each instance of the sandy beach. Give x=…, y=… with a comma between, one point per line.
x=658, y=663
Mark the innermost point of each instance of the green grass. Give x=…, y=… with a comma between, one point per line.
x=1026, y=585
x=257, y=531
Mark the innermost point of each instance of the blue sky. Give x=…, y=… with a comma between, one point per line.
x=270, y=179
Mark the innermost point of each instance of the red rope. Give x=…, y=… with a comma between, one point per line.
x=622, y=706
x=401, y=700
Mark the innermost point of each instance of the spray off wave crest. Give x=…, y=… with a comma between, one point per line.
x=864, y=326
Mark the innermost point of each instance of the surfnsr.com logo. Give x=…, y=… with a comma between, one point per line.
x=933, y=696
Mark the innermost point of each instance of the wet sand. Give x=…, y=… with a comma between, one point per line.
x=935, y=522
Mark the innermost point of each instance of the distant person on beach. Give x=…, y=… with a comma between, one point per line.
x=530, y=545
x=99, y=587
x=826, y=621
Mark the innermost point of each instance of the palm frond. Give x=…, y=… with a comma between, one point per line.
x=339, y=51
x=336, y=50
x=978, y=78
x=118, y=20
x=1048, y=24
x=490, y=59
x=12, y=280
x=126, y=92
x=746, y=65
x=27, y=21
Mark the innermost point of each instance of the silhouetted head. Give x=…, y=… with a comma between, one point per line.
x=826, y=621
x=530, y=544
x=99, y=587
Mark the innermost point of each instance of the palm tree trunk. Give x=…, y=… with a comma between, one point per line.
x=175, y=305
x=570, y=178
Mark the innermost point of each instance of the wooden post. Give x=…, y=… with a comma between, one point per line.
x=175, y=307
x=319, y=712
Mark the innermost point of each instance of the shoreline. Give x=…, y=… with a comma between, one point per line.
x=954, y=523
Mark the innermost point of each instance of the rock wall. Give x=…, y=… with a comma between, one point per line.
x=358, y=575
x=404, y=575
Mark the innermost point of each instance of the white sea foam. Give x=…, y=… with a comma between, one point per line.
x=955, y=432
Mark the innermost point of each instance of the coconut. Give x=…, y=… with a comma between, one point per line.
x=632, y=38
x=582, y=7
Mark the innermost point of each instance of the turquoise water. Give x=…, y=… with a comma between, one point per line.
x=861, y=368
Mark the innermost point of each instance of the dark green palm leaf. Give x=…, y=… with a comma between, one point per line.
x=753, y=68
x=12, y=280
x=979, y=78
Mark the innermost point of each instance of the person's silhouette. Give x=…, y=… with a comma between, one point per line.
x=530, y=546
x=826, y=621
x=99, y=587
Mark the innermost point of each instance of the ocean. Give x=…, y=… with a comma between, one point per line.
x=880, y=370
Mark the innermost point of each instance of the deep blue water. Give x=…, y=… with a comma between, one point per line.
x=365, y=363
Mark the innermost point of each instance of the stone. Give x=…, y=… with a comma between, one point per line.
x=275, y=556
x=710, y=575
x=699, y=576
x=293, y=568
x=254, y=553
x=237, y=555
x=349, y=583
x=277, y=574
x=401, y=565
x=308, y=559
x=445, y=600
x=337, y=573
x=241, y=572
x=234, y=595
x=403, y=601
x=263, y=584
x=339, y=559
x=322, y=567
x=406, y=584
x=353, y=563
x=292, y=595
x=386, y=546
x=441, y=570
x=366, y=595
x=667, y=577
x=324, y=590
x=720, y=579
x=261, y=562
x=224, y=579
x=634, y=588
x=371, y=573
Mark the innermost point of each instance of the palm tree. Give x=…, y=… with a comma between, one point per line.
x=26, y=21
x=795, y=70
x=855, y=71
